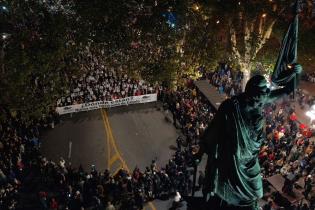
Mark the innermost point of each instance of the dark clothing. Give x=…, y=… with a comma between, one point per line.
x=219, y=204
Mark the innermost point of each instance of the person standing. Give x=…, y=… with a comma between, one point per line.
x=307, y=186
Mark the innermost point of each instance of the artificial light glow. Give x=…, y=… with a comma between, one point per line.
x=289, y=66
x=264, y=15
x=239, y=3
x=196, y=7
x=5, y=36
x=218, y=21
x=311, y=113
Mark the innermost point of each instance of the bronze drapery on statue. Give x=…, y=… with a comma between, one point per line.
x=288, y=52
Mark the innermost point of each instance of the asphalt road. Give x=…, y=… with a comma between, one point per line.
x=142, y=134
x=78, y=139
x=126, y=137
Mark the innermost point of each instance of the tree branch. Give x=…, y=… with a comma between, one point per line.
x=234, y=41
x=265, y=37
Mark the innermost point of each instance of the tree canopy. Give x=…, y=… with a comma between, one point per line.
x=156, y=40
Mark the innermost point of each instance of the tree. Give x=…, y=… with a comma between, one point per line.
x=201, y=43
x=36, y=56
x=153, y=40
x=248, y=26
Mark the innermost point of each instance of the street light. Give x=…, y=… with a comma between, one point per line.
x=196, y=7
x=5, y=36
x=311, y=113
x=4, y=8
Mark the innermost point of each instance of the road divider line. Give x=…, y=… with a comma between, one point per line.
x=107, y=139
x=151, y=205
x=112, y=139
x=125, y=166
x=116, y=171
x=113, y=159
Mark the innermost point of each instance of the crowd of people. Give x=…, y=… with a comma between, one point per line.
x=19, y=150
x=100, y=82
x=60, y=186
x=288, y=148
x=226, y=80
x=68, y=188
x=191, y=112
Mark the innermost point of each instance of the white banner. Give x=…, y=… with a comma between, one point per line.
x=107, y=104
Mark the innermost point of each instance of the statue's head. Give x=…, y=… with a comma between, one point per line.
x=257, y=91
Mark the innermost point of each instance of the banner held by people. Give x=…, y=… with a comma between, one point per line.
x=106, y=104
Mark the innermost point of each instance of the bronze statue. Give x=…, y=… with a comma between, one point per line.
x=232, y=142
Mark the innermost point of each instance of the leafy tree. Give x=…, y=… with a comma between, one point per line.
x=35, y=57
x=243, y=28
x=49, y=39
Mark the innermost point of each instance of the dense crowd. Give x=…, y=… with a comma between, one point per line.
x=191, y=112
x=19, y=150
x=287, y=150
x=76, y=189
x=226, y=80
x=100, y=82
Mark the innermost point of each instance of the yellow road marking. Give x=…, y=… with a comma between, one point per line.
x=111, y=140
x=117, y=170
x=152, y=205
x=107, y=140
x=113, y=159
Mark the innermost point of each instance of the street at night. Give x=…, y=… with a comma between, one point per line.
x=157, y=105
